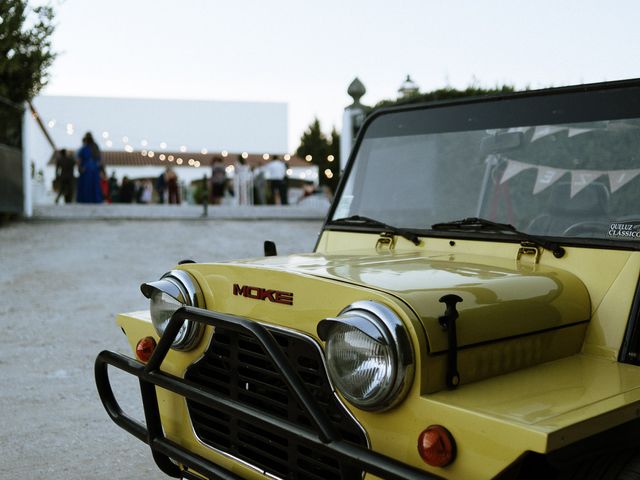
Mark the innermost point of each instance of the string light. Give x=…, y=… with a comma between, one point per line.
x=144, y=142
x=308, y=158
x=330, y=158
x=328, y=173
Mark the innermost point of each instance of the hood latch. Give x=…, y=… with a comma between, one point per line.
x=529, y=250
x=386, y=241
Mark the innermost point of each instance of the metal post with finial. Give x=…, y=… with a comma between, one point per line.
x=352, y=120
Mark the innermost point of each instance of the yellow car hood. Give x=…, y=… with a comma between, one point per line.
x=500, y=298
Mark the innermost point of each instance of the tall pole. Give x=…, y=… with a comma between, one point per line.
x=27, y=187
x=352, y=120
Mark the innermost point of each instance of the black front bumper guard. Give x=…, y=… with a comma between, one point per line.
x=166, y=452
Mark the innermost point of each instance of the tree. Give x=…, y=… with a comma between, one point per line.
x=447, y=93
x=314, y=147
x=25, y=57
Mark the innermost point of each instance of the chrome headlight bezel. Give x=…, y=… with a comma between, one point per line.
x=381, y=325
x=181, y=287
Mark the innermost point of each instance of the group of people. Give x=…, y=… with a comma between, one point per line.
x=94, y=186
x=260, y=185
x=257, y=185
x=91, y=184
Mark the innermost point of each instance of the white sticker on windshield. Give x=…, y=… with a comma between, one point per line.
x=625, y=230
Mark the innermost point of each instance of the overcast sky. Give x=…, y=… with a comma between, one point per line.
x=306, y=52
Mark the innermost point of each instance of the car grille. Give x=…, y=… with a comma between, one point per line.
x=236, y=367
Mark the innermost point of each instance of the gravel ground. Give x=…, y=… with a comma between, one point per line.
x=63, y=284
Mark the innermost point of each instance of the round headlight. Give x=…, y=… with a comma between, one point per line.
x=174, y=290
x=369, y=356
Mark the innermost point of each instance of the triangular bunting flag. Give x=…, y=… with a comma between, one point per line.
x=618, y=178
x=513, y=168
x=546, y=176
x=582, y=178
x=545, y=131
x=578, y=131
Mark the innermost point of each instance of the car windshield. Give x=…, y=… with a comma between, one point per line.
x=511, y=164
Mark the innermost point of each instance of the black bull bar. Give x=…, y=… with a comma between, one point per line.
x=323, y=437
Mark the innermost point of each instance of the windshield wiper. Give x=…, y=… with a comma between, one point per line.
x=475, y=223
x=372, y=222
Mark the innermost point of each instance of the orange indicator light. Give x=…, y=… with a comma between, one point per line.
x=436, y=446
x=145, y=348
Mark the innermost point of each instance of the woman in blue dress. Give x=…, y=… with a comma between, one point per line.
x=89, y=166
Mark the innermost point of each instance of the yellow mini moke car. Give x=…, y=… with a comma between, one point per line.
x=471, y=311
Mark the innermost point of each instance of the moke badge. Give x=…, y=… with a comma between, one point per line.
x=257, y=293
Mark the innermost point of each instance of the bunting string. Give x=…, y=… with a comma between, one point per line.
x=547, y=176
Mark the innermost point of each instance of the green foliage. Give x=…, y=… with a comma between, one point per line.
x=315, y=143
x=25, y=57
x=447, y=93
x=25, y=49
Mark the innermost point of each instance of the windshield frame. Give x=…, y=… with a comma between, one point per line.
x=573, y=104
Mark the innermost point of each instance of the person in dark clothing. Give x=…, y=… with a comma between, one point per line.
x=65, y=164
x=172, y=187
x=161, y=186
x=89, y=190
x=218, y=180
x=114, y=189
x=127, y=190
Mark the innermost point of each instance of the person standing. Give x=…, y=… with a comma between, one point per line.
x=89, y=167
x=104, y=185
x=277, y=171
x=218, y=180
x=242, y=183
x=127, y=190
x=114, y=190
x=172, y=187
x=64, y=175
x=161, y=186
x=259, y=186
x=147, y=191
